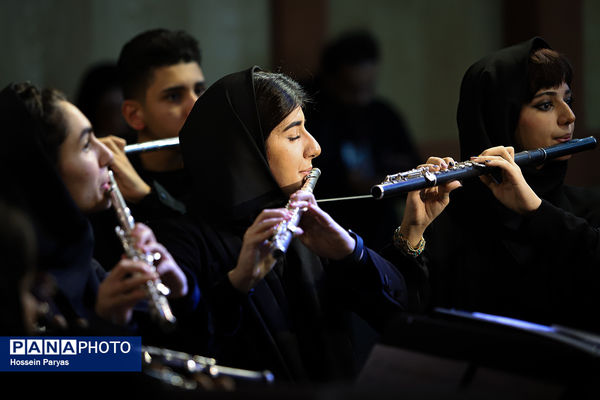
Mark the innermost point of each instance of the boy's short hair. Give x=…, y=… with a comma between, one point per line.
x=149, y=50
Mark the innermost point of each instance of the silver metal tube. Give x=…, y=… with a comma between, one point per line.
x=152, y=145
x=421, y=178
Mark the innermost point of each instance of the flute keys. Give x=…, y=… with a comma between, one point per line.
x=429, y=176
x=163, y=289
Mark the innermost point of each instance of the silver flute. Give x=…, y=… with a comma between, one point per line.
x=157, y=291
x=179, y=368
x=420, y=178
x=152, y=145
x=284, y=231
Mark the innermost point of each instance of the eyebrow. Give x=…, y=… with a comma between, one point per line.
x=293, y=124
x=173, y=89
x=180, y=87
x=550, y=93
x=86, y=131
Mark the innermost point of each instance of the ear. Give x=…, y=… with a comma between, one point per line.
x=133, y=113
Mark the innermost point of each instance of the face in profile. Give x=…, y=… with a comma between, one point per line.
x=547, y=119
x=83, y=162
x=290, y=151
x=169, y=99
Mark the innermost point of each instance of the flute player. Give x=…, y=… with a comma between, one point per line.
x=247, y=150
x=66, y=182
x=527, y=247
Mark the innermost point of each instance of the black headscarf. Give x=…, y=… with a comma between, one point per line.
x=223, y=147
x=30, y=180
x=492, y=93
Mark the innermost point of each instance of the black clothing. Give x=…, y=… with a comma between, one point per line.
x=361, y=145
x=541, y=266
x=170, y=191
x=64, y=239
x=294, y=322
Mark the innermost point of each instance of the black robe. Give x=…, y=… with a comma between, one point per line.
x=542, y=266
x=295, y=322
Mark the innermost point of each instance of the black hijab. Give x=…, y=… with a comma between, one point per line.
x=492, y=93
x=223, y=147
x=30, y=180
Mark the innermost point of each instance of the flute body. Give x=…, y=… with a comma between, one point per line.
x=153, y=145
x=421, y=178
x=157, y=291
x=284, y=232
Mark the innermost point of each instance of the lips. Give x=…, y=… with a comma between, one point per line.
x=565, y=138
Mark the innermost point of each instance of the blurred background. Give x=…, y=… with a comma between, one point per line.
x=425, y=45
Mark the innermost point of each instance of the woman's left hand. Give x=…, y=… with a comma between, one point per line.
x=423, y=206
x=318, y=231
x=513, y=191
x=168, y=270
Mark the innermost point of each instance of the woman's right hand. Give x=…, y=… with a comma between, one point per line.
x=513, y=191
x=254, y=261
x=131, y=185
x=425, y=205
x=122, y=289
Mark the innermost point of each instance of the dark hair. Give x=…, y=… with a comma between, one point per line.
x=277, y=95
x=97, y=80
x=351, y=48
x=547, y=68
x=149, y=50
x=44, y=107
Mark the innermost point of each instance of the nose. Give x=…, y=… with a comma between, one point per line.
x=312, y=149
x=105, y=156
x=566, y=115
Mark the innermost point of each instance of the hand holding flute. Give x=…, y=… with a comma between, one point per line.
x=419, y=178
x=140, y=246
x=512, y=190
x=268, y=237
x=425, y=205
x=131, y=185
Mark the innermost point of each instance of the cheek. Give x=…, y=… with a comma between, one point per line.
x=80, y=177
x=280, y=160
x=529, y=131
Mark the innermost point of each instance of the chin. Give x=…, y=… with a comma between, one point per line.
x=291, y=188
x=101, y=205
